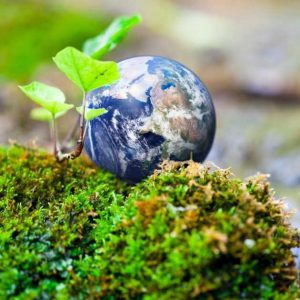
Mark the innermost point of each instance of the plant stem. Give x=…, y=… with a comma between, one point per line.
x=54, y=136
x=80, y=142
x=82, y=119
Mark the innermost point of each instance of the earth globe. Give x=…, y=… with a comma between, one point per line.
x=158, y=110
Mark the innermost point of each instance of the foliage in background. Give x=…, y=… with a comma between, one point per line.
x=33, y=31
x=68, y=231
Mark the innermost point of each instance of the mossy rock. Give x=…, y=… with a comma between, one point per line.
x=70, y=231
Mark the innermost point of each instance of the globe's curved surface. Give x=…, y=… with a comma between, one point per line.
x=158, y=110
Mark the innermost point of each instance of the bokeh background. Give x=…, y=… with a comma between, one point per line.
x=246, y=52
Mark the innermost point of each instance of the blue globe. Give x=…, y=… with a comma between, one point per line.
x=158, y=110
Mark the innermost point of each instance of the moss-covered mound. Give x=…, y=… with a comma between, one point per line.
x=68, y=231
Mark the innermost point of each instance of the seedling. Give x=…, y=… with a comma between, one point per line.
x=88, y=73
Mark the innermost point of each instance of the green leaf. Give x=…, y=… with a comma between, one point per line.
x=42, y=114
x=87, y=73
x=50, y=98
x=111, y=37
x=91, y=113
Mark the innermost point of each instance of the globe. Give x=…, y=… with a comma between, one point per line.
x=158, y=110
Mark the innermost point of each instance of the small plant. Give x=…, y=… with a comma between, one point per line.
x=88, y=73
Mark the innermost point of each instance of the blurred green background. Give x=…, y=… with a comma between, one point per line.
x=246, y=52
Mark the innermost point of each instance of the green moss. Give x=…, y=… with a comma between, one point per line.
x=68, y=231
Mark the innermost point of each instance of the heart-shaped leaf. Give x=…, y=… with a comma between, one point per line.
x=42, y=114
x=50, y=98
x=87, y=73
x=111, y=37
x=91, y=113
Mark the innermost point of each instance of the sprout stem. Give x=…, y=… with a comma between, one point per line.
x=54, y=136
x=81, y=136
x=80, y=142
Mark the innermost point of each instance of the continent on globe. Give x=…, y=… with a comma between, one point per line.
x=158, y=110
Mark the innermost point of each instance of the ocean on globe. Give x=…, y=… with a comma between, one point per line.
x=158, y=110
